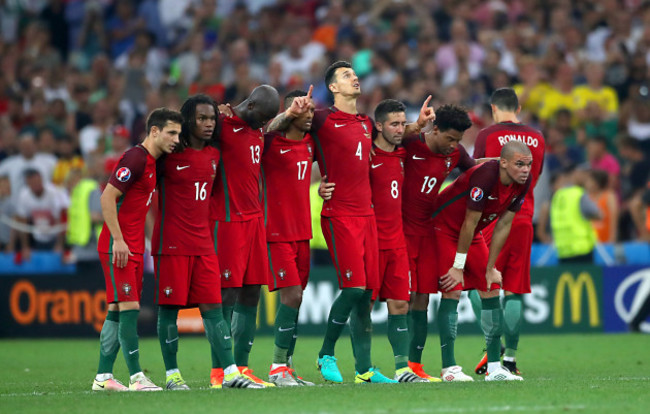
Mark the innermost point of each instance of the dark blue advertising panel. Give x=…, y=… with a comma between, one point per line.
x=624, y=290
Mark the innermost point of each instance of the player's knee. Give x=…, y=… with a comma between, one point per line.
x=353, y=294
x=291, y=296
x=421, y=301
x=205, y=307
x=398, y=307
x=229, y=296
x=249, y=295
x=454, y=294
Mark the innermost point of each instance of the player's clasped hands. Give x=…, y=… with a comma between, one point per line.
x=121, y=253
x=452, y=279
x=325, y=189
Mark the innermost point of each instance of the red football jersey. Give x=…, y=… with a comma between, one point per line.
x=343, y=143
x=286, y=168
x=478, y=189
x=135, y=176
x=386, y=179
x=491, y=139
x=236, y=195
x=425, y=172
x=185, y=184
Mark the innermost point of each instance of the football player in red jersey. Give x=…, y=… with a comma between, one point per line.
x=185, y=264
x=237, y=211
x=491, y=191
x=286, y=167
x=343, y=140
x=514, y=259
x=430, y=157
x=386, y=180
x=125, y=202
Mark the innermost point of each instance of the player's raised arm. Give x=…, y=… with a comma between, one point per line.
x=120, y=249
x=427, y=114
x=299, y=105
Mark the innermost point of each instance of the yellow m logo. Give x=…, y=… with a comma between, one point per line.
x=575, y=288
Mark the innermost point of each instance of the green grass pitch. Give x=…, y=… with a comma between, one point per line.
x=563, y=373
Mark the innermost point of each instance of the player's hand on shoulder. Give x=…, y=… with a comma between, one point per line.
x=225, y=109
x=325, y=189
x=452, y=279
x=493, y=276
x=121, y=253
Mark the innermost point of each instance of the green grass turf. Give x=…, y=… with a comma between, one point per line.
x=563, y=373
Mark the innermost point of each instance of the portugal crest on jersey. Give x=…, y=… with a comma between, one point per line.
x=126, y=288
x=123, y=174
x=226, y=274
x=476, y=194
x=365, y=128
x=282, y=273
x=168, y=291
x=348, y=274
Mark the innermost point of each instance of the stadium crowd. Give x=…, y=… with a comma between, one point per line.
x=79, y=77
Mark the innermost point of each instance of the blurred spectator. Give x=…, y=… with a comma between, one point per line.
x=635, y=116
x=68, y=160
x=597, y=186
x=7, y=212
x=595, y=91
x=209, y=79
x=92, y=138
x=39, y=209
x=598, y=123
x=85, y=212
x=123, y=26
x=28, y=158
x=571, y=213
x=599, y=158
x=300, y=52
x=560, y=95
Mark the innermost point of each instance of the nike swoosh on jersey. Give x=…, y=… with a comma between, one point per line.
x=492, y=198
x=237, y=129
x=415, y=157
x=378, y=165
x=339, y=126
x=178, y=167
x=283, y=151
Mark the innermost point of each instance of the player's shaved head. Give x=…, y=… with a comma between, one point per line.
x=260, y=106
x=515, y=147
x=505, y=99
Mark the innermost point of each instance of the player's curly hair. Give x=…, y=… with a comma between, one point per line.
x=188, y=110
x=452, y=117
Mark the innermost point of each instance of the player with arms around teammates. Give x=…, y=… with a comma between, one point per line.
x=343, y=140
x=186, y=266
x=286, y=167
x=514, y=259
x=430, y=157
x=125, y=202
x=491, y=191
x=239, y=233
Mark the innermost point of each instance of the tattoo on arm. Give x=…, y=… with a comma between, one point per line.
x=279, y=123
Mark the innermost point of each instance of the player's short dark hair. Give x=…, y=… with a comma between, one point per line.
x=452, y=117
x=160, y=116
x=288, y=100
x=505, y=99
x=331, y=71
x=188, y=111
x=388, y=106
